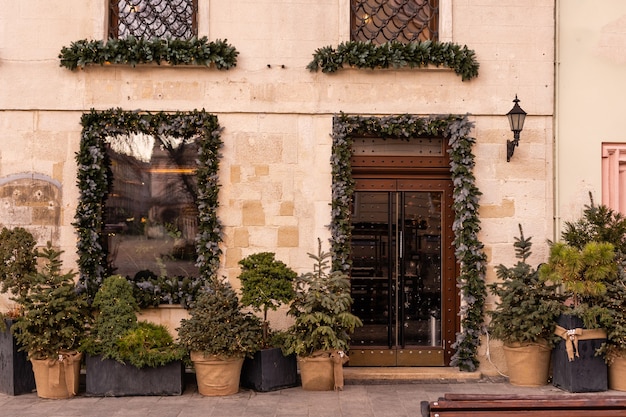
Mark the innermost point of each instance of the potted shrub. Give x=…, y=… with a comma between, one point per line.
x=218, y=336
x=17, y=260
x=266, y=284
x=601, y=224
x=51, y=327
x=583, y=274
x=323, y=324
x=525, y=317
x=127, y=357
x=614, y=349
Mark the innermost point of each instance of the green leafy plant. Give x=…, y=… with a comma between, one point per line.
x=133, y=51
x=584, y=274
x=466, y=226
x=152, y=290
x=218, y=326
x=528, y=307
x=17, y=260
x=321, y=309
x=396, y=54
x=266, y=284
x=54, y=314
x=116, y=333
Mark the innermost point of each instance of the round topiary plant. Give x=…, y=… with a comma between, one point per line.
x=266, y=284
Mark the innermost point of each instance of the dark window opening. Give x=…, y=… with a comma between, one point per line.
x=381, y=21
x=153, y=19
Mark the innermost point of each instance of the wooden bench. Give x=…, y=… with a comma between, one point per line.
x=567, y=405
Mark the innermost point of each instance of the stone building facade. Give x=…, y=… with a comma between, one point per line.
x=277, y=118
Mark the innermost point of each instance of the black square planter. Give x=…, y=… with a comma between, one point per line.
x=269, y=370
x=16, y=371
x=587, y=373
x=109, y=378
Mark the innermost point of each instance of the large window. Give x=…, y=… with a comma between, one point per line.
x=380, y=21
x=153, y=18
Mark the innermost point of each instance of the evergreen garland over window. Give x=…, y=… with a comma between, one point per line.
x=466, y=226
x=394, y=54
x=94, y=182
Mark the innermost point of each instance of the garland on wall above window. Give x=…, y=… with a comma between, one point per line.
x=132, y=51
x=94, y=181
x=396, y=54
x=469, y=250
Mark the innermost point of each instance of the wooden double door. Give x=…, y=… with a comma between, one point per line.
x=403, y=272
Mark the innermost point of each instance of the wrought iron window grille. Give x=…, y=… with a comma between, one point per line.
x=381, y=21
x=153, y=19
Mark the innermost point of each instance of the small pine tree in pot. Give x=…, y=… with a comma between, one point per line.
x=600, y=223
x=586, y=268
x=218, y=334
x=52, y=326
x=525, y=317
x=266, y=284
x=323, y=324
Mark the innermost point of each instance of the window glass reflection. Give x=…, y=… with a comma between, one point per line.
x=151, y=217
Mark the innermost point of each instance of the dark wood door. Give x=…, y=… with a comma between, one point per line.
x=403, y=273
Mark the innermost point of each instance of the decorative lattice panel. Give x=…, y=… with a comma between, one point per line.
x=153, y=18
x=381, y=21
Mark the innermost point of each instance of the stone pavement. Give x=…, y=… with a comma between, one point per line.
x=373, y=399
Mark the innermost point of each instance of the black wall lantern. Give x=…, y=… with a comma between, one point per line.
x=516, y=119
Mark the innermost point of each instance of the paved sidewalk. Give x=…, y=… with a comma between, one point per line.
x=369, y=400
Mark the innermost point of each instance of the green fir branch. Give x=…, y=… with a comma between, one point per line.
x=394, y=54
x=133, y=51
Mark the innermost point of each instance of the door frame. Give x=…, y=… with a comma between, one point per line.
x=419, y=355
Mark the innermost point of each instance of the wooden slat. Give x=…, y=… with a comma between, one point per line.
x=532, y=405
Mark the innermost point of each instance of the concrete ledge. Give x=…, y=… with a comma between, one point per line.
x=361, y=375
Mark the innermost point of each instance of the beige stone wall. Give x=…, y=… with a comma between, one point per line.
x=277, y=116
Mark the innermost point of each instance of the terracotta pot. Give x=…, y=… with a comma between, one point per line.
x=56, y=378
x=317, y=373
x=617, y=374
x=528, y=364
x=217, y=375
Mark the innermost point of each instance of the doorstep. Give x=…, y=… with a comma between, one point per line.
x=361, y=375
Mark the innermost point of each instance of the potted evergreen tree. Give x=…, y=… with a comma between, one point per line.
x=323, y=324
x=584, y=274
x=17, y=260
x=125, y=356
x=525, y=317
x=266, y=284
x=218, y=336
x=600, y=223
x=51, y=326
